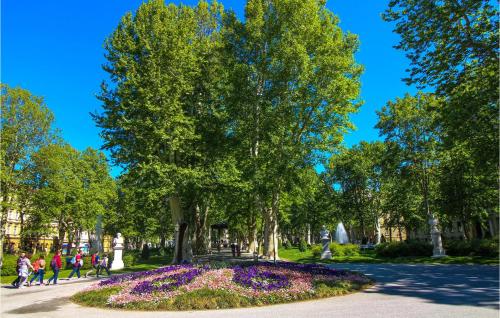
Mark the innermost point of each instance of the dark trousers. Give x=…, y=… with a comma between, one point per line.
x=100, y=268
x=39, y=274
x=54, y=277
x=76, y=269
x=16, y=281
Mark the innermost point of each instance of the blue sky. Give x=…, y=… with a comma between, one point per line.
x=55, y=50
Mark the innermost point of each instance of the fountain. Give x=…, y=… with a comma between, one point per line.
x=341, y=234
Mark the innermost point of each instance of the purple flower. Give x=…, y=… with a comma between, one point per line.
x=166, y=283
x=259, y=279
x=137, y=275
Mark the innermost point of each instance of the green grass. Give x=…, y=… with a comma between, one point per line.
x=98, y=298
x=294, y=255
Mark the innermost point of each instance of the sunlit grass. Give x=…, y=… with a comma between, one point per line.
x=294, y=255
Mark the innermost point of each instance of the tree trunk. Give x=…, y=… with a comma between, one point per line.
x=201, y=236
x=182, y=250
x=271, y=228
x=378, y=230
x=252, y=233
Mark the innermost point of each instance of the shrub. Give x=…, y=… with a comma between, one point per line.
x=351, y=249
x=129, y=259
x=399, y=249
x=316, y=250
x=336, y=249
x=344, y=250
x=287, y=245
x=486, y=248
x=457, y=248
x=302, y=245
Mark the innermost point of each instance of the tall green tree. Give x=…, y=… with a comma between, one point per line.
x=71, y=188
x=163, y=117
x=453, y=47
x=26, y=125
x=295, y=83
x=410, y=127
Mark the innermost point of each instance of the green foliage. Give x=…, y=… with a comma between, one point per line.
x=484, y=247
x=453, y=47
x=344, y=249
x=402, y=249
x=302, y=245
x=442, y=39
x=26, y=125
x=130, y=259
x=316, y=250
x=287, y=244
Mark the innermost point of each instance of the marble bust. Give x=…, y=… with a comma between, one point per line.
x=325, y=234
x=118, y=241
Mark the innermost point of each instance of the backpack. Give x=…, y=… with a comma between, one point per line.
x=36, y=266
x=93, y=261
x=73, y=260
x=53, y=263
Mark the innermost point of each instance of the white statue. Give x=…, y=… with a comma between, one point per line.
x=325, y=234
x=118, y=252
x=118, y=242
x=325, y=240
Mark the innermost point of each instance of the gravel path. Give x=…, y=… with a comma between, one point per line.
x=400, y=291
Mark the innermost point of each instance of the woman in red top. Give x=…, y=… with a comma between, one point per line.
x=56, y=265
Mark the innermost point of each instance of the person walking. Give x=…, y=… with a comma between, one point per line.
x=77, y=262
x=24, y=266
x=55, y=265
x=95, y=263
x=103, y=265
x=39, y=270
x=15, y=283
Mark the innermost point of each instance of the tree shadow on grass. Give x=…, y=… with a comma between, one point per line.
x=466, y=285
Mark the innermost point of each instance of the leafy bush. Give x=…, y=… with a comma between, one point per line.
x=9, y=265
x=344, y=250
x=316, y=250
x=129, y=259
x=486, y=248
x=351, y=249
x=287, y=245
x=399, y=249
x=302, y=245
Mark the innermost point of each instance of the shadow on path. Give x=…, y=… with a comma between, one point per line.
x=42, y=306
x=469, y=285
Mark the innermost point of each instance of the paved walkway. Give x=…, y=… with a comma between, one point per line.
x=401, y=291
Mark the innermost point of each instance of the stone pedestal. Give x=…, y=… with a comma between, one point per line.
x=437, y=244
x=117, y=260
x=118, y=248
x=325, y=253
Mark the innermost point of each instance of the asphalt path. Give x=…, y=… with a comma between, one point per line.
x=401, y=290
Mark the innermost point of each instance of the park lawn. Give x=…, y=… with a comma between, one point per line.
x=143, y=265
x=294, y=255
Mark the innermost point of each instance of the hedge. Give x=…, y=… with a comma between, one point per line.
x=399, y=249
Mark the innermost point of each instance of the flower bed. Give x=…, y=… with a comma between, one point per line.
x=187, y=287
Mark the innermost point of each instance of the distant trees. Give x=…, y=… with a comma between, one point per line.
x=44, y=179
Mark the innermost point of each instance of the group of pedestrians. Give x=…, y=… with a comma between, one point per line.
x=25, y=268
